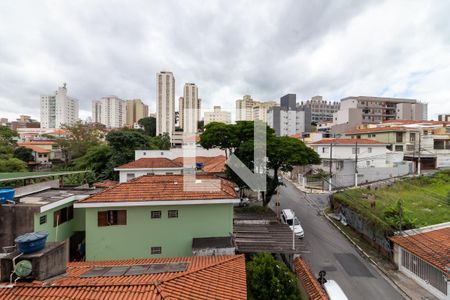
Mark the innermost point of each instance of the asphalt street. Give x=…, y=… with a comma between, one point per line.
x=327, y=249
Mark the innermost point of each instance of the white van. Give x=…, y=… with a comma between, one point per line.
x=287, y=217
x=334, y=291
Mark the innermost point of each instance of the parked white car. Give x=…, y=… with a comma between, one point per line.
x=288, y=217
x=334, y=291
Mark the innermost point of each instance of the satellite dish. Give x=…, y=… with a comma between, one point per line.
x=23, y=268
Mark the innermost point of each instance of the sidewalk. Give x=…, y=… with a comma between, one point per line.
x=305, y=189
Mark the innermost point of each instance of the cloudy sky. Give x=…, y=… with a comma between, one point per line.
x=229, y=48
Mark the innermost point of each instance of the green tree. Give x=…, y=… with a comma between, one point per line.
x=149, y=124
x=7, y=142
x=160, y=142
x=23, y=153
x=12, y=165
x=269, y=279
x=96, y=159
x=123, y=143
x=81, y=137
x=283, y=153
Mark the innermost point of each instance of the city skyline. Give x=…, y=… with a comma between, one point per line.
x=304, y=49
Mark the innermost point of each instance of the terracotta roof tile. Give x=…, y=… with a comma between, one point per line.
x=432, y=246
x=347, y=142
x=35, y=148
x=206, y=277
x=106, y=183
x=376, y=129
x=151, y=163
x=38, y=143
x=167, y=187
x=307, y=279
x=211, y=164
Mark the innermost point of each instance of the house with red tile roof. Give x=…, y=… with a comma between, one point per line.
x=308, y=283
x=156, y=216
x=54, y=151
x=166, y=166
x=205, y=277
x=424, y=255
x=148, y=166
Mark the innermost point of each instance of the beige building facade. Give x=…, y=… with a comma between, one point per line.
x=136, y=110
x=248, y=109
x=217, y=115
x=165, y=102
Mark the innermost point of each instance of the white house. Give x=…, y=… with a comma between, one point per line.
x=374, y=161
x=369, y=153
x=166, y=166
x=148, y=166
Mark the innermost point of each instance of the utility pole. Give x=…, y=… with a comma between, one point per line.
x=401, y=215
x=418, y=159
x=414, y=157
x=356, y=163
x=331, y=163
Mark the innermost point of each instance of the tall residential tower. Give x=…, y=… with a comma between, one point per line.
x=58, y=109
x=165, y=103
x=189, y=108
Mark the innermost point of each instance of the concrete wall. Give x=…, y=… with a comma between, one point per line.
x=33, y=188
x=14, y=221
x=174, y=235
x=346, y=177
x=177, y=152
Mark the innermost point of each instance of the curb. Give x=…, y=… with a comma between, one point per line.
x=367, y=256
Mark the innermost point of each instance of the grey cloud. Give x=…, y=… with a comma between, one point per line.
x=265, y=48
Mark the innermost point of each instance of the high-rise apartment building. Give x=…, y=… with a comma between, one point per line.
x=288, y=118
x=189, y=108
x=444, y=118
x=356, y=111
x=165, y=103
x=217, y=115
x=321, y=110
x=248, y=109
x=58, y=109
x=136, y=110
x=110, y=111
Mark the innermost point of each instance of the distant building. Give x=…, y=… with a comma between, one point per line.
x=136, y=110
x=248, y=109
x=356, y=111
x=165, y=103
x=58, y=109
x=109, y=111
x=444, y=118
x=428, y=139
x=217, y=115
x=288, y=119
x=23, y=122
x=320, y=110
x=189, y=108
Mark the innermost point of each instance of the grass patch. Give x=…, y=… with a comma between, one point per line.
x=424, y=199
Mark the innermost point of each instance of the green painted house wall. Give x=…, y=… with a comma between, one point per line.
x=174, y=235
x=66, y=229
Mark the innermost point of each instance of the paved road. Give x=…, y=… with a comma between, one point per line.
x=327, y=249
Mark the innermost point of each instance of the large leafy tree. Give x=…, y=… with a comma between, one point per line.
x=149, y=124
x=283, y=153
x=96, y=159
x=270, y=279
x=23, y=153
x=80, y=137
x=123, y=143
x=160, y=142
x=7, y=144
